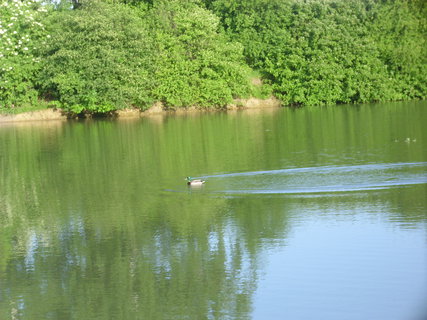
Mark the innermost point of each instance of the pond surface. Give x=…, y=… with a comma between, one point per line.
x=312, y=213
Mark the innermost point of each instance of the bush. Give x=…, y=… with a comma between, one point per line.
x=326, y=52
x=196, y=63
x=100, y=59
x=104, y=57
x=22, y=34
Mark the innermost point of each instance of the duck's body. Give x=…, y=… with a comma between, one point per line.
x=194, y=182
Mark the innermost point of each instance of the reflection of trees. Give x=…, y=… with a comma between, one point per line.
x=87, y=229
x=140, y=252
x=118, y=277
x=149, y=264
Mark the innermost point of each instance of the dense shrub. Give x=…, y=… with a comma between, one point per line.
x=100, y=58
x=326, y=51
x=196, y=63
x=22, y=34
x=399, y=30
x=107, y=56
x=102, y=55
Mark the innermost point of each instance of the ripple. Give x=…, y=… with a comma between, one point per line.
x=323, y=179
x=323, y=169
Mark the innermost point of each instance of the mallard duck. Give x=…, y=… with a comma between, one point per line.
x=194, y=182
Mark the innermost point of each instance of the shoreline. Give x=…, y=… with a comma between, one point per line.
x=157, y=109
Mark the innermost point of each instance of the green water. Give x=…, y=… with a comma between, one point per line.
x=313, y=213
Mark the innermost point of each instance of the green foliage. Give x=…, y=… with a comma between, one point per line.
x=105, y=56
x=325, y=52
x=100, y=58
x=102, y=55
x=21, y=36
x=196, y=64
x=400, y=31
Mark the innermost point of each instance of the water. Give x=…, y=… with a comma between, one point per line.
x=313, y=213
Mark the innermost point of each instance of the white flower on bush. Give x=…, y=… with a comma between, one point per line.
x=16, y=17
x=21, y=34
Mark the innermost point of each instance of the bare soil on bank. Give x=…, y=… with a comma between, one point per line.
x=156, y=109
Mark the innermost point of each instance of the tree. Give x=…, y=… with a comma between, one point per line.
x=196, y=62
x=100, y=59
x=22, y=34
x=327, y=52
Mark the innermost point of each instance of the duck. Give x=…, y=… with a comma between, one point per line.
x=194, y=182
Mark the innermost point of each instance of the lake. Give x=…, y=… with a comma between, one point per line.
x=306, y=213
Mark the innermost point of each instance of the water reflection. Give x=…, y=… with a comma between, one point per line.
x=96, y=220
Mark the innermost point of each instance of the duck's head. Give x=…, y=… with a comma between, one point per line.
x=188, y=179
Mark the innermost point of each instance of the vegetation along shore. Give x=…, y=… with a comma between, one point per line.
x=105, y=56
